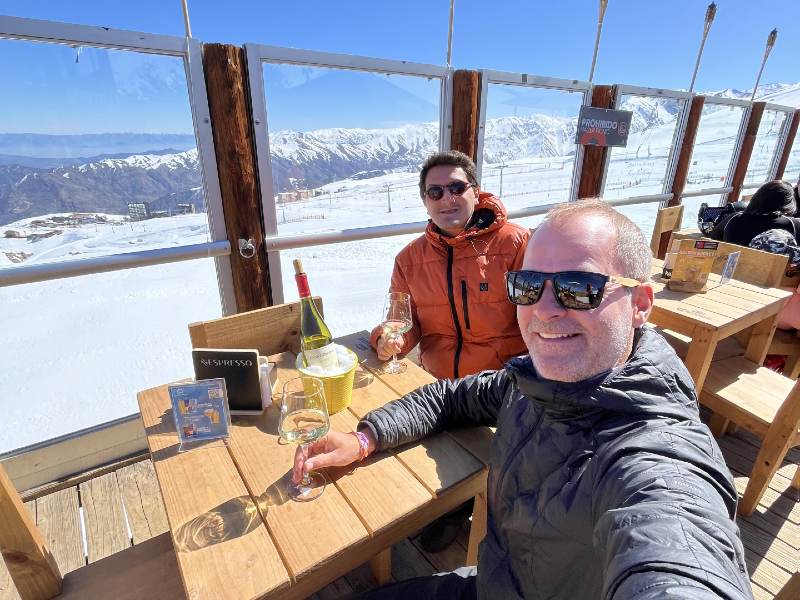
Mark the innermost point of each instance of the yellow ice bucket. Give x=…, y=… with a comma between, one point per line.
x=338, y=388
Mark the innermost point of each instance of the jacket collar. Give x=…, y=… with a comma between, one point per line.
x=652, y=381
x=489, y=215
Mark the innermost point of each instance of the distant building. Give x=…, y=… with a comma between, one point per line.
x=185, y=209
x=139, y=211
x=293, y=196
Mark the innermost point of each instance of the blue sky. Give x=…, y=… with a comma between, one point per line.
x=645, y=42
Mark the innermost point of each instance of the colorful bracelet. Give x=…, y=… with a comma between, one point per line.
x=363, y=445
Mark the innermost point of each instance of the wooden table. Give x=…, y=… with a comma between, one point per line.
x=237, y=536
x=721, y=312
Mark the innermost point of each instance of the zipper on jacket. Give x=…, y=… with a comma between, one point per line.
x=464, y=302
x=451, y=297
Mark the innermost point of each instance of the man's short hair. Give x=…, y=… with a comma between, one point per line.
x=631, y=251
x=449, y=157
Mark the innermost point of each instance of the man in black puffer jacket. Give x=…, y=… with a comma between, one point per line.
x=603, y=481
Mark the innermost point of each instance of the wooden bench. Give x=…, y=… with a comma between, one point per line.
x=142, y=572
x=765, y=403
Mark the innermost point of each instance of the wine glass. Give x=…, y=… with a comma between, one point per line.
x=396, y=321
x=303, y=420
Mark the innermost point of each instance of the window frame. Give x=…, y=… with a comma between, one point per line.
x=728, y=187
x=681, y=119
x=780, y=144
x=190, y=51
x=257, y=56
x=531, y=81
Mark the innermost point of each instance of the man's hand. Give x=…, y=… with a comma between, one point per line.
x=389, y=345
x=336, y=449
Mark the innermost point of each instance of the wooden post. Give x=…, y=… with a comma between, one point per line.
x=684, y=162
x=594, y=157
x=477, y=530
x=31, y=565
x=381, y=566
x=788, y=147
x=225, y=69
x=747, y=150
x=466, y=112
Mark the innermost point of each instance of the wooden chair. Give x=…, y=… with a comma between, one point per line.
x=763, y=402
x=667, y=220
x=147, y=570
x=271, y=330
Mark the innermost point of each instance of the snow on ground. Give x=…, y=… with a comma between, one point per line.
x=75, y=351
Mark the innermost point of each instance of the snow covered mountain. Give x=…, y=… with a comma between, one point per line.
x=300, y=160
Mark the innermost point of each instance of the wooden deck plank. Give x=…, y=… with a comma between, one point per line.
x=217, y=528
x=106, y=532
x=779, y=498
x=773, y=549
x=337, y=589
x=765, y=573
x=408, y=562
x=58, y=520
x=142, y=499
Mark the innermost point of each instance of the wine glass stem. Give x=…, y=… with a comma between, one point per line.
x=306, y=482
x=394, y=358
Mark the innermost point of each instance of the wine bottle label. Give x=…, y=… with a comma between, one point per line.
x=324, y=357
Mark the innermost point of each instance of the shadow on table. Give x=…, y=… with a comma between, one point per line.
x=232, y=519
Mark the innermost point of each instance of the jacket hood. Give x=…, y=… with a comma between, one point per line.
x=489, y=215
x=652, y=381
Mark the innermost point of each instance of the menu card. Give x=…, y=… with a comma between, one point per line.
x=688, y=264
x=200, y=411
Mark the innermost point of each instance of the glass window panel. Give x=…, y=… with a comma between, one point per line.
x=529, y=144
x=347, y=146
x=94, y=145
x=769, y=131
x=714, y=146
x=92, y=342
x=792, y=170
x=352, y=279
x=640, y=168
x=643, y=215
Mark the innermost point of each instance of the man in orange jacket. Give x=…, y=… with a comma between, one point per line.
x=455, y=274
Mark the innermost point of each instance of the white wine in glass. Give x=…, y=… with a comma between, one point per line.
x=396, y=322
x=303, y=420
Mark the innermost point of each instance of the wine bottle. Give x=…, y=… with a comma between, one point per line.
x=316, y=342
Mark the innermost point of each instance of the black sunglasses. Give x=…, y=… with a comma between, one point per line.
x=576, y=290
x=456, y=188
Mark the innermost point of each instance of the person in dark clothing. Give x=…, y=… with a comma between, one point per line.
x=718, y=228
x=771, y=207
x=603, y=482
